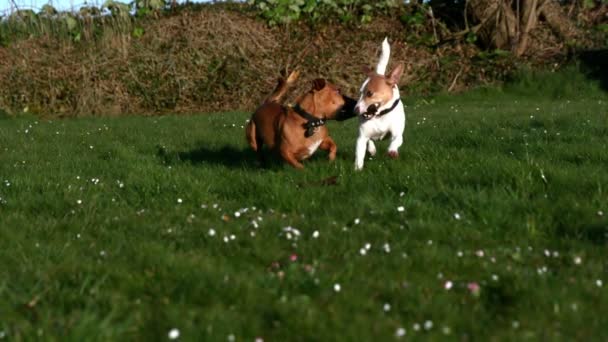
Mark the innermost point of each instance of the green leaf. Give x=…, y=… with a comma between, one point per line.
x=138, y=32
x=70, y=22
x=48, y=10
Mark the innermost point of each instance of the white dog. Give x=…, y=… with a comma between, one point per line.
x=380, y=109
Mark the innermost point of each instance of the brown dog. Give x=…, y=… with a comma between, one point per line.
x=296, y=132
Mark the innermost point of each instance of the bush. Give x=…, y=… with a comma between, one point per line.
x=345, y=11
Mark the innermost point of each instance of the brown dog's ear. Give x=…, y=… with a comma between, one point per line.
x=318, y=84
x=395, y=75
x=368, y=71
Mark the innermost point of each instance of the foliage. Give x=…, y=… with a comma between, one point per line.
x=145, y=8
x=314, y=11
x=88, y=21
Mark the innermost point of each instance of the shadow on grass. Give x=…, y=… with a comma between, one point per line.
x=232, y=158
x=593, y=232
x=227, y=156
x=596, y=65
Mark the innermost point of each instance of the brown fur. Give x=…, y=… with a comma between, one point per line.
x=282, y=130
x=379, y=89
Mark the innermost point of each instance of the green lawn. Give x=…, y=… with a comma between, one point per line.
x=493, y=224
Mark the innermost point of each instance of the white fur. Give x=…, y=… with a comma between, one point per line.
x=312, y=148
x=378, y=127
x=384, y=56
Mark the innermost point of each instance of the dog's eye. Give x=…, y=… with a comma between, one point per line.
x=369, y=94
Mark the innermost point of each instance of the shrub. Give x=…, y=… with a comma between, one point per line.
x=346, y=11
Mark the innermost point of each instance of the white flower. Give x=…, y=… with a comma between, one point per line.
x=386, y=307
x=387, y=248
x=578, y=260
x=211, y=232
x=179, y=200
x=428, y=325
x=357, y=221
x=173, y=334
x=337, y=287
x=400, y=332
x=448, y=285
x=315, y=234
x=457, y=216
x=79, y=201
x=400, y=209
x=237, y=214
x=599, y=283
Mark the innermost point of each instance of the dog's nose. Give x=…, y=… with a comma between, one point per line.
x=372, y=109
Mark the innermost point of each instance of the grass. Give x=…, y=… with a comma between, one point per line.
x=106, y=228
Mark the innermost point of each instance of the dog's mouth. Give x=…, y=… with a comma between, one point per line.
x=348, y=109
x=371, y=111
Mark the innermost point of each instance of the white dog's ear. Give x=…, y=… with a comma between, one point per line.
x=367, y=70
x=395, y=75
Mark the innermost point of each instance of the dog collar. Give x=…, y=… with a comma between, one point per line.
x=313, y=122
x=387, y=110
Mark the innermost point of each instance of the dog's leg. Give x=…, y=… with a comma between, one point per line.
x=291, y=159
x=360, y=152
x=261, y=155
x=328, y=144
x=393, y=147
x=371, y=148
x=250, y=135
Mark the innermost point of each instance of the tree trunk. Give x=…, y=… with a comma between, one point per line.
x=528, y=21
x=557, y=20
x=506, y=24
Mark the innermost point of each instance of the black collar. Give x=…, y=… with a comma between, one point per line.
x=313, y=122
x=368, y=115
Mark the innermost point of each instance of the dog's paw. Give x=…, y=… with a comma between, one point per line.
x=393, y=154
x=371, y=148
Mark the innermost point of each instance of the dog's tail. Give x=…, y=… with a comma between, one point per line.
x=251, y=135
x=283, y=85
x=384, y=56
